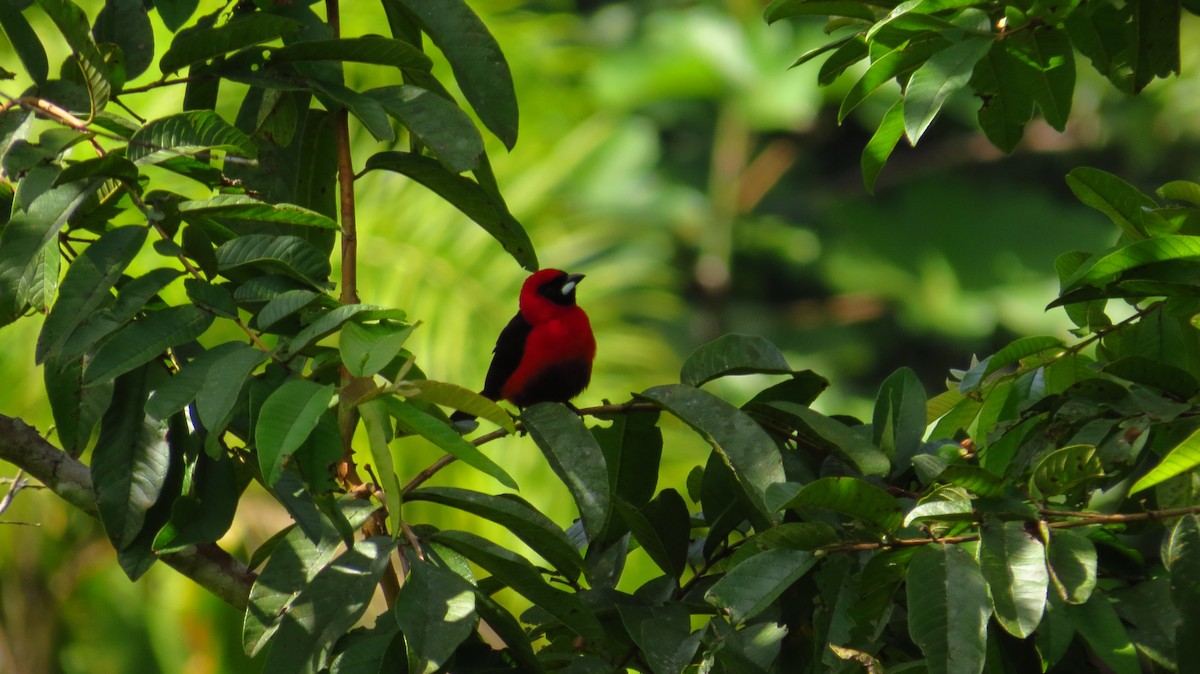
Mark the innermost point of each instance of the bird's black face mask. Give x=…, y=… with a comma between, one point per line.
x=561, y=290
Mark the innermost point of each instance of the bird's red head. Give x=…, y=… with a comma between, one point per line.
x=548, y=294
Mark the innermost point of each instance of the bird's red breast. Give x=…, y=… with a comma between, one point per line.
x=545, y=354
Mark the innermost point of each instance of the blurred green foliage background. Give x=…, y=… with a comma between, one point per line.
x=668, y=152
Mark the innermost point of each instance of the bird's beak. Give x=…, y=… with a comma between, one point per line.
x=572, y=281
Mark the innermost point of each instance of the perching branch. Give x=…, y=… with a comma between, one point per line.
x=207, y=565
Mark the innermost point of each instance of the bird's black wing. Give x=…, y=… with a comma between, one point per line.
x=510, y=347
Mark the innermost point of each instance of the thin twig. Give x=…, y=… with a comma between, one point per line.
x=18, y=483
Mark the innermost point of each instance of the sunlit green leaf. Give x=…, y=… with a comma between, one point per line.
x=366, y=49
x=187, y=133
x=1067, y=469
x=848, y=495
x=24, y=42
x=145, y=339
x=263, y=253
x=436, y=612
x=476, y=60
x=130, y=461
x=1071, y=560
x=1182, y=458
x=948, y=609
x=732, y=355
x=1123, y=203
x=459, y=398
x=877, y=150
x=412, y=420
x=465, y=195
x=931, y=84
x=576, y=458
x=742, y=444
x=200, y=43
x=286, y=419
x=437, y=122
x=1014, y=564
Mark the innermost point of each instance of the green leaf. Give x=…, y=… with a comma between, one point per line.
x=379, y=433
x=285, y=421
x=334, y=95
x=213, y=298
x=1100, y=626
x=632, y=448
x=329, y=606
x=436, y=612
x=948, y=609
x=1012, y=353
x=39, y=213
x=1067, y=470
x=1071, y=559
x=848, y=495
x=732, y=355
x=367, y=349
x=24, y=42
x=1014, y=564
x=1182, y=458
x=750, y=587
x=888, y=66
x=453, y=395
x=740, y=442
x=938, y=510
x=245, y=209
x=126, y=24
x=145, y=339
x=877, y=150
x=1123, y=203
x=175, y=13
x=536, y=530
x=87, y=286
x=130, y=461
x=831, y=435
x=1049, y=70
x=806, y=536
x=663, y=633
x=76, y=408
x=944, y=73
x=255, y=254
x=288, y=570
x=662, y=528
x=830, y=46
x=283, y=305
x=108, y=166
x=517, y=573
x=465, y=195
x=187, y=133
x=786, y=9
x=437, y=122
x=898, y=423
x=204, y=513
x=576, y=458
x=840, y=60
x=1156, y=48
x=182, y=388
x=73, y=24
x=200, y=43
x=223, y=384
x=1181, y=190
x=412, y=420
x=330, y=321
x=475, y=58
x=1001, y=80
x=366, y=49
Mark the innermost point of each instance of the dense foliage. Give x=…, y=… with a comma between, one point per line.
x=1039, y=515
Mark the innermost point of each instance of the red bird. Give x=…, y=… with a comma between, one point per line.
x=545, y=352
